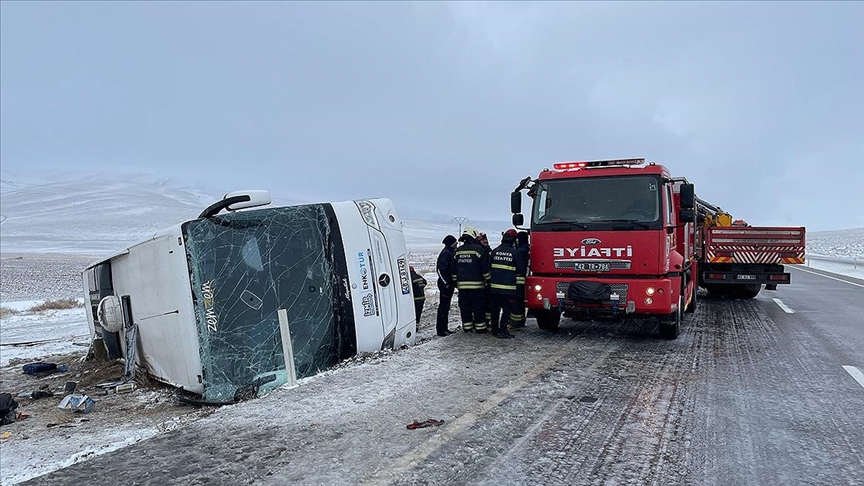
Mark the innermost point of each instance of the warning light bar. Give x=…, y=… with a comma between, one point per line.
x=597, y=163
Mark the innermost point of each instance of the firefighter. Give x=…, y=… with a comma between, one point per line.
x=470, y=272
x=487, y=295
x=418, y=286
x=446, y=286
x=517, y=316
x=505, y=266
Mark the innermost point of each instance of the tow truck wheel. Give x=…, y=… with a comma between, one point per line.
x=749, y=291
x=548, y=320
x=670, y=326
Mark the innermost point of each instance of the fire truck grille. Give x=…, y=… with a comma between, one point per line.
x=613, y=264
x=620, y=289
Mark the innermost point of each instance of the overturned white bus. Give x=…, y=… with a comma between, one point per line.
x=203, y=296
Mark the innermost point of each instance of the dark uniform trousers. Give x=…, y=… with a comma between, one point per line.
x=472, y=307
x=502, y=308
x=446, y=297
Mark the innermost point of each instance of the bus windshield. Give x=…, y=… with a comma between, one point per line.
x=598, y=202
x=244, y=267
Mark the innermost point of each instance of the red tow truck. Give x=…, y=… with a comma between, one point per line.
x=622, y=238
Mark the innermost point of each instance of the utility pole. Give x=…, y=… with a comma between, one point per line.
x=460, y=220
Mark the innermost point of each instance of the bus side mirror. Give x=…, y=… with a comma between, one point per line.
x=688, y=197
x=237, y=200
x=686, y=215
x=518, y=219
x=515, y=202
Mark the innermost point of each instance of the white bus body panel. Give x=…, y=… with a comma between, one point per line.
x=155, y=276
x=371, y=257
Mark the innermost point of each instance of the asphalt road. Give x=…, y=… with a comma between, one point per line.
x=755, y=392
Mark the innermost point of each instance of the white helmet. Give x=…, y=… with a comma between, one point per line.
x=470, y=231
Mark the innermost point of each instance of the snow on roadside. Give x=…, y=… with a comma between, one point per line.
x=30, y=335
x=847, y=269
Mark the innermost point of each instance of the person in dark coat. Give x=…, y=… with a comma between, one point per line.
x=418, y=287
x=470, y=272
x=505, y=266
x=517, y=317
x=446, y=286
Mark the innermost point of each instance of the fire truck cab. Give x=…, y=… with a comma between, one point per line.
x=610, y=238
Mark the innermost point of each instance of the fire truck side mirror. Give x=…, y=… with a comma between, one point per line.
x=518, y=219
x=515, y=202
x=686, y=215
x=688, y=197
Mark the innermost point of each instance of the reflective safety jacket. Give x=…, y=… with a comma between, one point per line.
x=507, y=267
x=418, y=286
x=470, y=266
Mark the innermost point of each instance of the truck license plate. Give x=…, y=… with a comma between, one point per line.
x=591, y=266
x=746, y=277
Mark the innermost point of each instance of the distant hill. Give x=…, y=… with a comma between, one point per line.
x=839, y=243
x=96, y=214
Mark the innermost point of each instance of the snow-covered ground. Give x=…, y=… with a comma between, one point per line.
x=52, y=229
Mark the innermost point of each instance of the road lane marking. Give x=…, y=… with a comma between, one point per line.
x=856, y=373
x=826, y=276
x=784, y=306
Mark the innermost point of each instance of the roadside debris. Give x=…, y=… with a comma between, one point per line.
x=42, y=369
x=7, y=408
x=36, y=395
x=68, y=424
x=77, y=403
x=425, y=423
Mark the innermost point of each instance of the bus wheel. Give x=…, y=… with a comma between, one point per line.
x=548, y=320
x=670, y=326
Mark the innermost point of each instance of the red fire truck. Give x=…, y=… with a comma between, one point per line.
x=621, y=238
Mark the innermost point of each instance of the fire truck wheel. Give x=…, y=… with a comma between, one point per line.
x=670, y=326
x=548, y=320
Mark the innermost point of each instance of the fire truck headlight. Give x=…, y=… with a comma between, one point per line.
x=539, y=296
x=649, y=291
x=649, y=301
x=538, y=288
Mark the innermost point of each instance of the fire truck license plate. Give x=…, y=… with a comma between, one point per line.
x=746, y=277
x=591, y=266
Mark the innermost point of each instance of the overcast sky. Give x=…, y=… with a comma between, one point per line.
x=445, y=107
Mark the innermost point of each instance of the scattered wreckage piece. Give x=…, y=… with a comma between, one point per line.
x=77, y=403
x=424, y=424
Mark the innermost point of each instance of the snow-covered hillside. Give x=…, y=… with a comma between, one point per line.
x=841, y=244
x=97, y=214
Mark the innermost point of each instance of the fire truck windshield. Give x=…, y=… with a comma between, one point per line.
x=623, y=202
